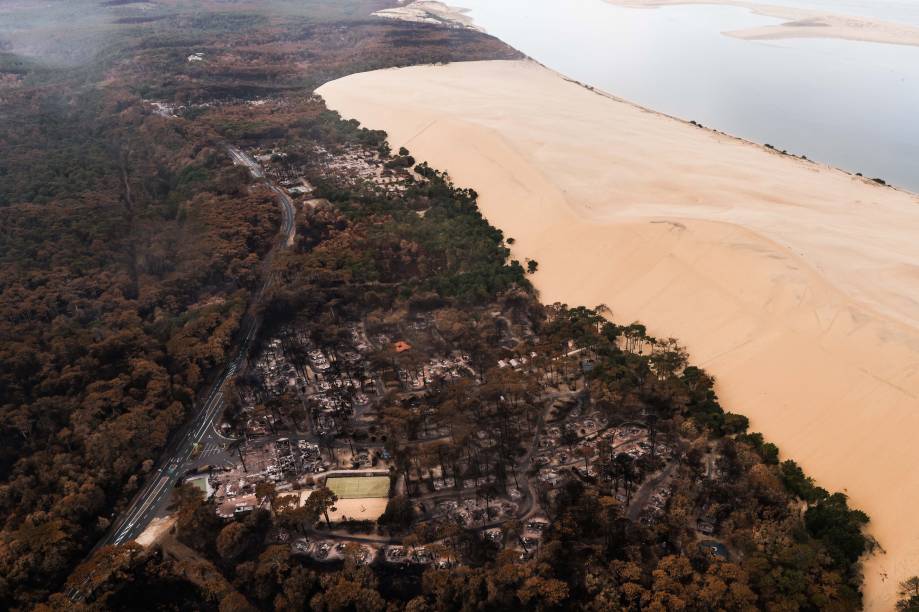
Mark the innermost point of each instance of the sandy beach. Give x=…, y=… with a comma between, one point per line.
x=795, y=284
x=802, y=23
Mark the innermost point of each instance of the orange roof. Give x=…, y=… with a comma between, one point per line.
x=402, y=346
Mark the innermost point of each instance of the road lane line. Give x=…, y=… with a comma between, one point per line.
x=213, y=404
x=134, y=516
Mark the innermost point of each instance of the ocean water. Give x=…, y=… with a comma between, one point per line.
x=850, y=104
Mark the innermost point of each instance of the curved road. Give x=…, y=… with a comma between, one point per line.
x=154, y=496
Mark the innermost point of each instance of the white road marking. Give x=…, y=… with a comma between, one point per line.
x=134, y=516
x=213, y=403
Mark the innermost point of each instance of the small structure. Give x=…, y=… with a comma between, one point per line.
x=705, y=526
x=715, y=548
x=401, y=346
x=203, y=484
x=236, y=506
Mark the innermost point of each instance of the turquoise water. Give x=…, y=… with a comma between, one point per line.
x=850, y=104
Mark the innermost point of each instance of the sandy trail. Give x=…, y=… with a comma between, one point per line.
x=802, y=23
x=797, y=285
x=158, y=527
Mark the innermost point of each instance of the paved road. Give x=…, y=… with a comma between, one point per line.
x=288, y=227
x=241, y=159
x=201, y=431
x=154, y=496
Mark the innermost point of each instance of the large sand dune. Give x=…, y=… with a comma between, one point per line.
x=797, y=285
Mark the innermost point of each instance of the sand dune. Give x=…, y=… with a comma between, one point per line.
x=802, y=23
x=429, y=11
x=794, y=283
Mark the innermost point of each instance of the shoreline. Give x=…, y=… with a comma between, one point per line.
x=797, y=22
x=430, y=11
x=702, y=237
x=800, y=23
x=871, y=181
x=879, y=310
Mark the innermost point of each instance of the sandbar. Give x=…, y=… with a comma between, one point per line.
x=802, y=23
x=430, y=11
